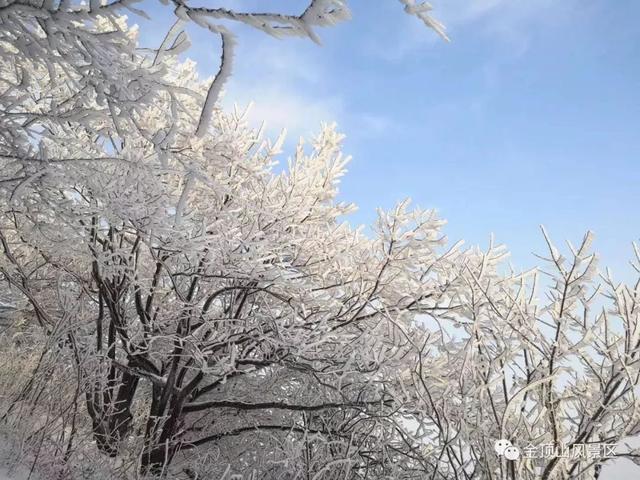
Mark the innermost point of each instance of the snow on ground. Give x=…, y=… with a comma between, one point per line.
x=10, y=469
x=14, y=472
x=5, y=476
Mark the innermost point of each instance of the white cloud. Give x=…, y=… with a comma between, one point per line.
x=289, y=86
x=509, y=21
x=284, y=86
x=301, y=113
x=281, y=108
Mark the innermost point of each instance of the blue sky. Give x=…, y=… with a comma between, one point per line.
x=528, y=116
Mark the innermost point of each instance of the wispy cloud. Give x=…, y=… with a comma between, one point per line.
x=282, y=108
x=511, y=22
x=284, y=87
x=289, y=85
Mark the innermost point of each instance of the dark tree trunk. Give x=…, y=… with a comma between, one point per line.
x=110, y=413
x=163, y=436
x=166, y=418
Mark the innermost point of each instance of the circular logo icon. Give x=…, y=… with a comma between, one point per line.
x=512, y=453
x=501, y=445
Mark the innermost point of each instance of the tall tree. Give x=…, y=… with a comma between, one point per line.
x=230, y=297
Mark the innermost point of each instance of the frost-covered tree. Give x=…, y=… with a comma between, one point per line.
x=549, y=364
x=175, y=268
x=230, y=300
x=181, y=272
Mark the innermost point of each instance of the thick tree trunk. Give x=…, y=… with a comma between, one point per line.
x=166, y=419
x=157, y=458
x=111, y=414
